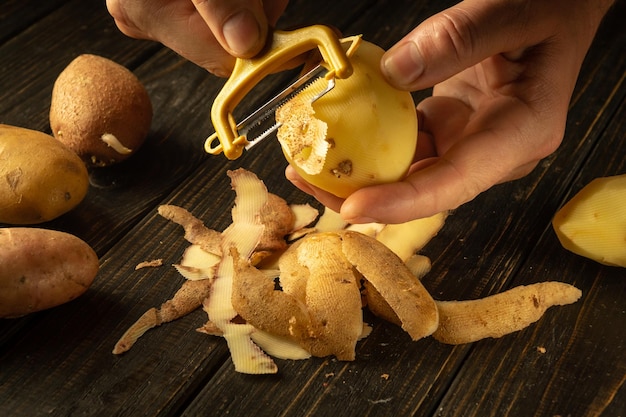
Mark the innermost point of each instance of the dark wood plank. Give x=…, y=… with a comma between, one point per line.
x=59, y=362
x=18, y=15
x=583, y=369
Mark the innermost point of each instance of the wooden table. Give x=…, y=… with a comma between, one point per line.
x=59, y=362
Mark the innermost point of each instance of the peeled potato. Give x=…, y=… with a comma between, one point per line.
x=363, y=132
x=100, y=110
x=593, y=223
x=40, y=179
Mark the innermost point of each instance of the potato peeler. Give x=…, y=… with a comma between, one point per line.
x=284, y=46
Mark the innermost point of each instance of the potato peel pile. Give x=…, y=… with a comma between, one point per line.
x=275, y=287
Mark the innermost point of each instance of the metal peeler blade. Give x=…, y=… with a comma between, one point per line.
x=255, y=126
x=230, y=137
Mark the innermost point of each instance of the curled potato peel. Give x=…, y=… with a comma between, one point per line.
x=391, y=278
x=284, y=314
x=322, y=274
x=500, y=314
x=332, y=297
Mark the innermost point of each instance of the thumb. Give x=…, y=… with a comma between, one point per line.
x=240, y=26
x=453, y=40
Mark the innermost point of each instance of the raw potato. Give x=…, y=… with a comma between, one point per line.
x=42, y=268
x=100, y=110
x=593, y=223
x=40, y=178
x=500, y=314
x=363, y=132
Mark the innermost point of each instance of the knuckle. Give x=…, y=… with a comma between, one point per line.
x=216, y=67
x=455, y=32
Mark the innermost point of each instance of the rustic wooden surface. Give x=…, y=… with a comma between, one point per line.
x=59, y=362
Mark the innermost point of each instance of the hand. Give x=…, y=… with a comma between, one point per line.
x=503, y=73
x=210, y=33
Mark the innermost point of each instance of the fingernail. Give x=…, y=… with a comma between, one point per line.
x=354, y=216
x=403, y=65
x=242, y=33
x=360, y=220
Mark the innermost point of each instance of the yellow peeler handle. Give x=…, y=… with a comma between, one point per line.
x=247, y=73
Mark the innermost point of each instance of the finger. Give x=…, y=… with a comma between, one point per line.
x=328, y=200
x=177, y=25
x=438, y=187
x=426, y=146
x=444, y=120
x=468, y=167
x=119, y=12
x=455, y=39
x=240, y=26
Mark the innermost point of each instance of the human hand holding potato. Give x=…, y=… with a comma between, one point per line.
x=503, y=74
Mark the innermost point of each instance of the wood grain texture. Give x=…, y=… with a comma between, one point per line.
x=59, y=362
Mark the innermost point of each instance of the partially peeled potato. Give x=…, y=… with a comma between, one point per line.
x=363, y=132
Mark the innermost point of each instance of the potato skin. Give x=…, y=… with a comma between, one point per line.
x=42, y=268
x=40, y=178
x=100, y=110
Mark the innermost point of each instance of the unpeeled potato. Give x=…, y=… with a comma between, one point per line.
x=40, y=178
x=100, y=110
x=42, y=268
